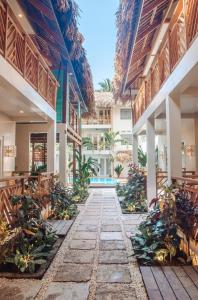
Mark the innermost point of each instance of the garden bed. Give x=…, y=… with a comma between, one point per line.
x=8, y=271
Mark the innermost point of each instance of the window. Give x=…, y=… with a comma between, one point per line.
x=126, y=139
x=125, y=114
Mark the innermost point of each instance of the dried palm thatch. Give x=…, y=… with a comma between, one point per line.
x=67, y=13
x=125, y=21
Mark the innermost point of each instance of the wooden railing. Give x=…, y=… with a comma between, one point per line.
x=9, y=186
x=96, y=121
x=181, y=33
x=74, y=121
x=19, y=185
x=20, y=51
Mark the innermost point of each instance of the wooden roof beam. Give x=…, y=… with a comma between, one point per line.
x=148, y=30
x=151, y=6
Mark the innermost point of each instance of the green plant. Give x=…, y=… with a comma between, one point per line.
x=62, y=206
x=118, y=169
x=106, y=85
x=27, y=257
x=134, y=192
x=4, y=230
x=157, y=241
x=34, y=238
x=142, y=158
x=86, y=168
x=87, y=142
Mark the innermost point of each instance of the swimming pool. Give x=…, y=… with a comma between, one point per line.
x=107, y=181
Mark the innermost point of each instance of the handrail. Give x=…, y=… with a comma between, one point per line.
x=19, y=50
x=181, y=32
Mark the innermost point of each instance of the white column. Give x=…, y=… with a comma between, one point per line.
x=173, y=131
x=135, y=149
x=151, y=167
x=62, y=153
x=196, y=143
x=51, y=146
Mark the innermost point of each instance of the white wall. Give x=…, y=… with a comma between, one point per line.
x=23, y=132
x=7, y=131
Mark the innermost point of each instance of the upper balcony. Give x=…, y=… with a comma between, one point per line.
x=180, y=35
x=19, y=50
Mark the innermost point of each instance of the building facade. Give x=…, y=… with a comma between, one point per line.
x=42, y=95
x=109, y=117
x=161, y=76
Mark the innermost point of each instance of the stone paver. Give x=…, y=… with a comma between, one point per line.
x=85, y=235
x=67, y=291
x=94, y=261
x=111, y=228
x=19, y=289
x=112, y=245
x=83, y=244
x=115, y=291
x=113, y=257
x=113, y=274
x=79, y=256
x=73, y=273
x=90, y=228
x=111, y=236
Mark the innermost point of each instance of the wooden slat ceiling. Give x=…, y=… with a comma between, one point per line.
x=150, y=21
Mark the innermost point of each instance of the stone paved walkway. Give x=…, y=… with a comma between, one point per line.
x=94, y=262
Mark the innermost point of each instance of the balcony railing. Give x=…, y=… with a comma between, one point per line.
x=19, y=50
x=181, y=33
x=74, y=121
x=97, y=121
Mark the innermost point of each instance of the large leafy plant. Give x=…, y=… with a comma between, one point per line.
x=86, y=168
x=157, y=241
x=134, y=192
x=118, y=169
x=62, y=205
x=34, y=240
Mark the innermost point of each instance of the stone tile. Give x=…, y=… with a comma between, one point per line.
x=91, y=228
x=111, y=236
x=110, y=214
x=114, y=291
x=111, y=228
x=73, y=273
x=83, y=244
x=132, y=222
x=110, y=221
x=67, y=291
x=19, y=289
x=112, y=245
x=89, y=222
x=113, y=257
x=84, y=235
x=79, y=256
x=113, y=274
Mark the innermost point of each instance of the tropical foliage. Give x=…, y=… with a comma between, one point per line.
x=33, y=240
x=118, y=169
x=133, y=193
x=86, y=168
x=62, y=204
x=157, y=241
x=142, y=158
x=106, y=85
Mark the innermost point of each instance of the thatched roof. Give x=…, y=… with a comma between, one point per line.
x=67, y=13
x=58, y=39
x=137, y=23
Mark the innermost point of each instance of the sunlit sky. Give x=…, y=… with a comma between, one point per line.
x=97, y=24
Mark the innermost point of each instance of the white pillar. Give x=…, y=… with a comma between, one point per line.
x=173, y=131
x=62, y=153
x=196, y=143
x=135, y=149
x=151, y=167
x=51, y=146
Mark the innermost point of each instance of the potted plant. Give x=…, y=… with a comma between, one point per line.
x=118, y=169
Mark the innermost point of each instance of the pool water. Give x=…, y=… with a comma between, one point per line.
x=104, y=181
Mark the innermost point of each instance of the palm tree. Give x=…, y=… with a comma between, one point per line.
x=87, y=142
x=110, y=140
x=106, y=85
